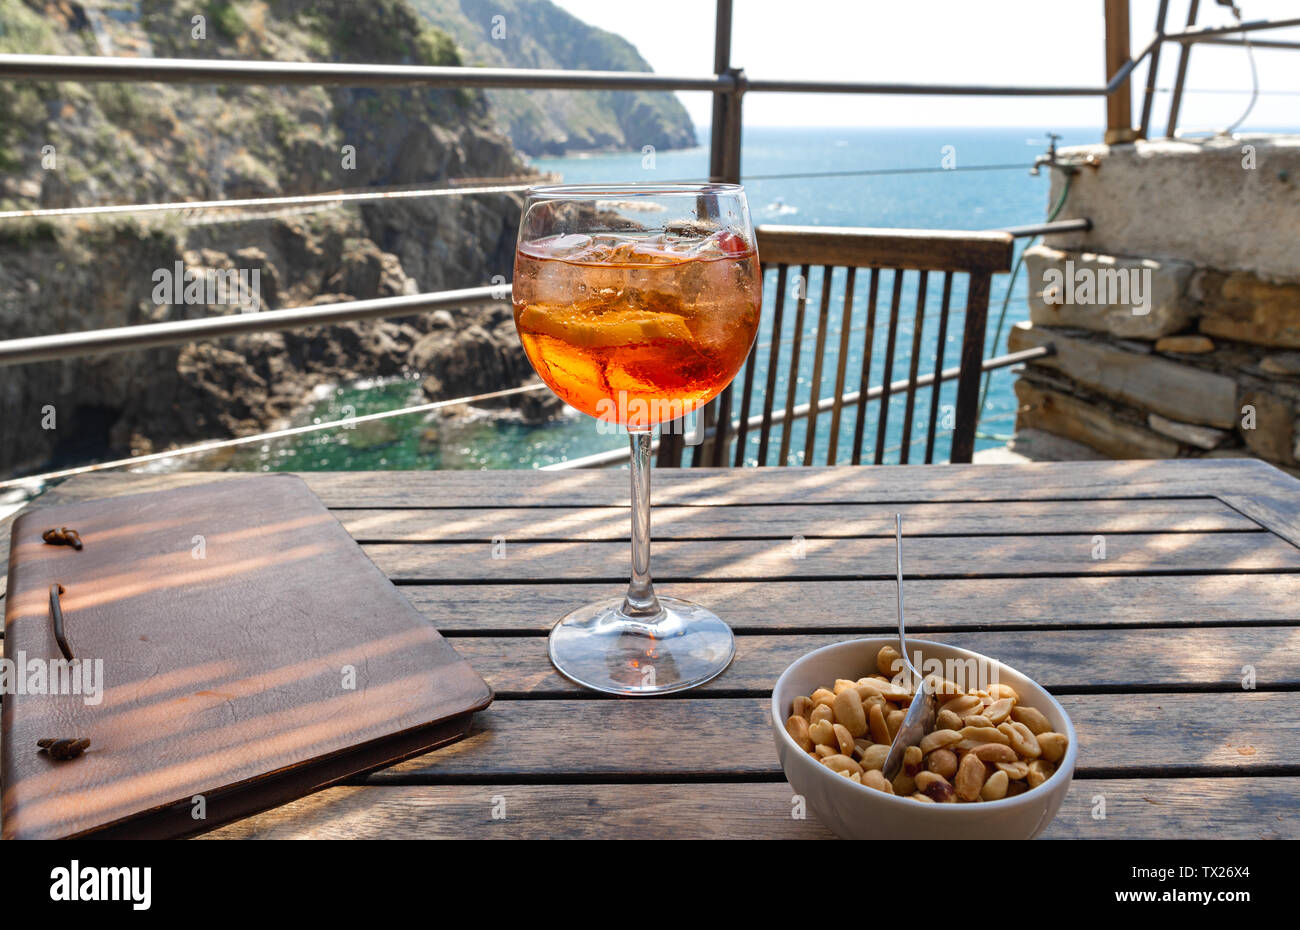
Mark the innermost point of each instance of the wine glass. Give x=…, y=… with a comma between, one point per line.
x=637, y=304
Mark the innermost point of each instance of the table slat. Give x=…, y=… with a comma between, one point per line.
x=1061, y=661
x=869, y=606
x=597, y=739
x=1225, y=808
x=777, y=521
x=714, y=486
x=771, y=560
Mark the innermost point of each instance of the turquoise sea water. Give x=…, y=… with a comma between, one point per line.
x=942, y=199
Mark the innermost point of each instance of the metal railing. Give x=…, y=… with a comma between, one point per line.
x=824, y=405
x=727, y=83
x=179, y=332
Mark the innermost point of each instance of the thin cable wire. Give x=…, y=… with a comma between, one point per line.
x=263, y=437
x=338, y=197
x=1254, y=80
x=1006, y=301
x=260, y=202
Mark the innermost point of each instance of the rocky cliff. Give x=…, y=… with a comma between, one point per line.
x=66, y=144
x=538, y=34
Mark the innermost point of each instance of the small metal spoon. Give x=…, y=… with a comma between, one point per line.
x=925, y=704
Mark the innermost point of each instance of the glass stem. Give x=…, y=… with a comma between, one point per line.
x=641, y=602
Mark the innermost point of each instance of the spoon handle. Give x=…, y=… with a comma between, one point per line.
x=898, y=560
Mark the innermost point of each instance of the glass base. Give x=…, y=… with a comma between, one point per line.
x=600, y=647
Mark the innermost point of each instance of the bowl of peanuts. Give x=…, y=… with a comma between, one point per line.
x=996, y=765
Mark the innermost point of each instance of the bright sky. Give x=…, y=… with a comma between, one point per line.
x=1057, y=42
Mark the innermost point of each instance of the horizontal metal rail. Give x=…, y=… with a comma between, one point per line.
x=1202, y=33
x=779, y=86
x=1082, y=224
x=178, y=332
x=825, y=404
x=93, y=68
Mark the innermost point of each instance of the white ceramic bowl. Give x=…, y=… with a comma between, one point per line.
x=854, y=811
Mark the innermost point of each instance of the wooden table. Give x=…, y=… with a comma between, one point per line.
x=1147, y=647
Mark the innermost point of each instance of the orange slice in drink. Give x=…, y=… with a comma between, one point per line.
x=613, y=328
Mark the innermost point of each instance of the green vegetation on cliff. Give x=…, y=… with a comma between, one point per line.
x=538, y=34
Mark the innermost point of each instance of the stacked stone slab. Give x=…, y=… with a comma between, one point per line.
x=1201, y=355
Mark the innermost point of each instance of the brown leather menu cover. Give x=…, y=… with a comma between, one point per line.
x=250, y=653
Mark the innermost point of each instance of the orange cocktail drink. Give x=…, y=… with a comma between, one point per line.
x=637, y=330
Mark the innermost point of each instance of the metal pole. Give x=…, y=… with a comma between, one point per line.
x=1119, y=103
x=1153, y=70
x=1184, y=53
x=720, y=129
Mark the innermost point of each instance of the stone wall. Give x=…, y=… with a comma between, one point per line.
x=1176, y=319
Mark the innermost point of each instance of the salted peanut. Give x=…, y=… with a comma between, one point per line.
x=822, y=733
x=992, y=752
x=803, y=707
x=886, y=689
x=841, y=763
x=874, y=779
x=904, y=784
x=876, y=723
x=947, y=720
x=912, y=759
x=1022, y=740
x=1032, y=718
x=969, y=778
x=921, y=797
x=893, y=722
x=888, y=660
x=1052, y=744
x=936, y=787
x=822, y=712
x=999, y=710
x=1015, y=770
x=944, y=689
x=874, y=700
x=843, y=739
x=985, y=735
x=942, y=762
x=976, y=720
x=1039, y=771
x=1016, y=787
x=961, y=706
x=821, y=751
x=938, y=739
x=860, y=746
x=995, y=789
x=1000, y=691
x=823, y=696
x=849, y=712
x=874, y=757
x=797, y=727
x=843, y=684
x=855, y=777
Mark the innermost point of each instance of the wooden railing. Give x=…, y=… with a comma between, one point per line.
x=977, y=255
